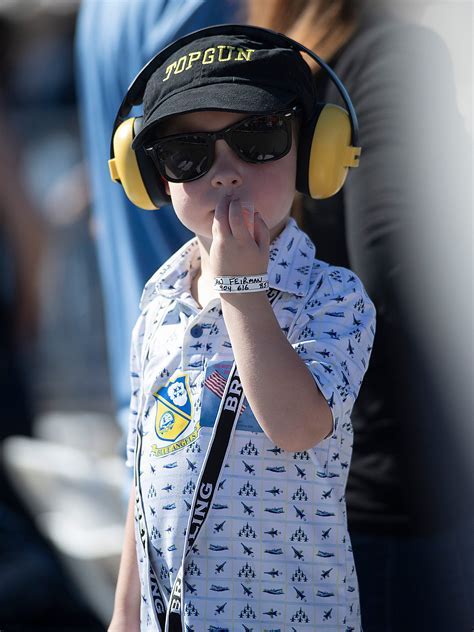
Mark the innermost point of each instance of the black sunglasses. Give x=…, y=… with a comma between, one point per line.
x=257, y=139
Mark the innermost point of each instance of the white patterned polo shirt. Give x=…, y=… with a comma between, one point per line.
x=274, y=553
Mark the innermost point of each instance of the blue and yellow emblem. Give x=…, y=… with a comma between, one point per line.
x=174, y=416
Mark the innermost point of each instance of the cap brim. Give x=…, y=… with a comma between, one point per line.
x=229, y=97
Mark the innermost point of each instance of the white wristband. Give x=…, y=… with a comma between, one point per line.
x=241, y=284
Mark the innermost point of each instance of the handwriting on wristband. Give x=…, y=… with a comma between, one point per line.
x=242, y=283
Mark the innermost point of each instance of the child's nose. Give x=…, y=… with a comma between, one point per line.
x=226, y=172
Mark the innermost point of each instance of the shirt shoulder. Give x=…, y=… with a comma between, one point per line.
x=329, y=283
x=335, y=310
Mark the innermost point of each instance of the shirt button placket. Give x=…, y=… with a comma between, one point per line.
x=194, y=345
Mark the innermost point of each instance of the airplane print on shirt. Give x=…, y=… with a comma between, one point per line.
x=274, y=549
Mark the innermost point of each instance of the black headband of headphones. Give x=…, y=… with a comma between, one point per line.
x=136, y=89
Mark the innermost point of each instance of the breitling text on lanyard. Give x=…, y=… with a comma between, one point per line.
x=170, y=619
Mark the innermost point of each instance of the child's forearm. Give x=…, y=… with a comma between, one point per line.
x=126, y=616
x=279, y=388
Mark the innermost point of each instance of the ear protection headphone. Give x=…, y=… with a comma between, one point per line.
x=327, y=145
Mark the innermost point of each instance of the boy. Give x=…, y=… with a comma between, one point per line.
x=264, y=544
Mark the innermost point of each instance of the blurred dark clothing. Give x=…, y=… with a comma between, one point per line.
x=17, y=415
x=401, y=222
x=416, y=583
x=407, y=474
x=35, y=594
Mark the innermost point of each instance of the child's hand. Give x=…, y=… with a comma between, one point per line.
x=237, y=249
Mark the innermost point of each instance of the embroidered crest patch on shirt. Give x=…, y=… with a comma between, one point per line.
x=174, y=416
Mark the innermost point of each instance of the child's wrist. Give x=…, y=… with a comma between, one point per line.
x=254, y=305
x=241, y=284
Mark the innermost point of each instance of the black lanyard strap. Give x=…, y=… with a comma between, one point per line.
x=226, y=420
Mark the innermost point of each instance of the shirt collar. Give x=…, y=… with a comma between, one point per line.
x=291, y=258
x=175, y=276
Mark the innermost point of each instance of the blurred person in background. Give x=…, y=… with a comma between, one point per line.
x=22, y=239
x=114, y=40
x=402, y=224
x=35, y=593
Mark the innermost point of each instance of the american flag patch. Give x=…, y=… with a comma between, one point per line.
x=216, y=383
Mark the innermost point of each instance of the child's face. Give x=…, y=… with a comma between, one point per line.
x=269, y=187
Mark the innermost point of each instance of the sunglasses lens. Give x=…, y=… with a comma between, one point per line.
x=184, y=158
x=261, y=139
x=256, y=139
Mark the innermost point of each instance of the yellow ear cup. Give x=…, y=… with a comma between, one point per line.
x=331, y=154
x=124, y=167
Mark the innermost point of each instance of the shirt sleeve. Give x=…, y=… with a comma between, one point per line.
x=334, y=335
